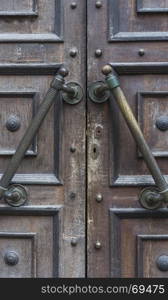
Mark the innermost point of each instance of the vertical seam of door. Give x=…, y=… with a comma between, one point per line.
x=86, y=147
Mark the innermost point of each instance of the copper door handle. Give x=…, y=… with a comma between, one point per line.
x=72, y=93
x=150, y=198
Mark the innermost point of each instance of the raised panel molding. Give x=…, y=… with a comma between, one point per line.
x=115, y=34
x=38, y=69
x=140, y=240
x=141, y=8
x=32, y=95
x=116, y=217
x=140, y=68
x=117, y=179
x=32, y=16
x=38, y=178
x=160, y=98
x=29, y=68
x=21, y=236
x=28, y=8
x=36, y=211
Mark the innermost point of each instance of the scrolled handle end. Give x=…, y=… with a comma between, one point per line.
x=106, y=70
x=63, y=72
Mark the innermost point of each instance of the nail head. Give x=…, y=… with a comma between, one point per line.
x=72, y=195
x=98, y=4
x=98, y=53
x=74, y=242
x=98, y=245
x=99, y=197
x=141, y=52
x=73, y=5
x=72, y=149
x=73, y=52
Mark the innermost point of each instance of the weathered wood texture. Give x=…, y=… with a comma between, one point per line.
x=50, y=171
x=131, y=241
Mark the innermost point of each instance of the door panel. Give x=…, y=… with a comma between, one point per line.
x=31, y=21
x=37, y=38
x=147, y=98
x=137, y=20
x=143, y=235
x=29, y=242
x=43, y=162
x=125, y=240
x=46, y=236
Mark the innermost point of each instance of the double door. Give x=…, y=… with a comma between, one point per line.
x=76, y=210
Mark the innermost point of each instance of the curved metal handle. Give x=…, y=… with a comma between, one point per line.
x=72, y=93
x=150, y=198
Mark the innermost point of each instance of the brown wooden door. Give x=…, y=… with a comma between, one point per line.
x=125, y=240
x=45, y=237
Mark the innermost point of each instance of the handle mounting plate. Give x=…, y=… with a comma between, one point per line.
x=74, y=99
x=98, y=98
x=150, y=198
x=16, y=195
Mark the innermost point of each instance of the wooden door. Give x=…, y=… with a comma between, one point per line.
x=46, y=236
x=125, y=240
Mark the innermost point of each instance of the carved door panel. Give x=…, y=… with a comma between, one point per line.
x=125, y=240
x=44, y=237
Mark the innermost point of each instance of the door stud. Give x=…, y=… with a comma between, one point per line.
x=98, y=4
x=99, y=198
x=98, y=245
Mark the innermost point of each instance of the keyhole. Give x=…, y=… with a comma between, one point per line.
x=95, y=151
